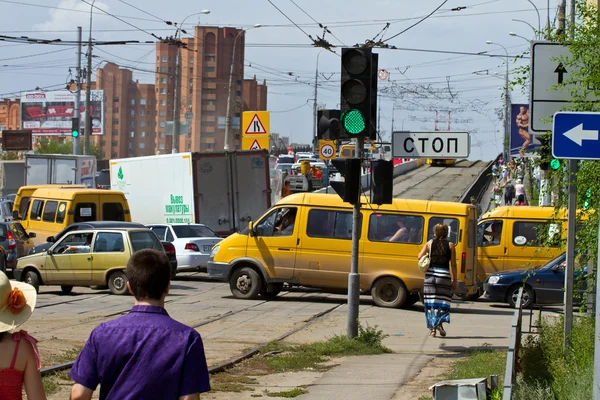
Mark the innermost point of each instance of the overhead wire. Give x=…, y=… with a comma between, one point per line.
x=317, y=22
x=416, y=23
x=289, y=19
x=142, y=10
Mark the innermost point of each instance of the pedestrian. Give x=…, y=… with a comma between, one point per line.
x=476, y=204
x=19, y=360
x=286, y=189
x=440, y=280
x=520, y=200
x=145, y=354
x=497, y=194
x=495, y=172
x=509, y=193
x=519, y=188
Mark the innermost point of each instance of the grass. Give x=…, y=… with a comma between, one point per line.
x=548, y=373
x=52, y=382
x=295, y=392
x=278, y=357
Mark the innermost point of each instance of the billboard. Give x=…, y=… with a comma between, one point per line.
x=50, y=113
x=522, y=140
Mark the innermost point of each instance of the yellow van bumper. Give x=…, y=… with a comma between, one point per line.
x=218, y=271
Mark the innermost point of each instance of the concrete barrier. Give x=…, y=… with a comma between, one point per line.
x=365, y=180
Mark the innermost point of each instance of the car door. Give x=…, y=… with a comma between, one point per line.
x=108, y=252
x=491, y=249
x=69, y=262
x=24, y=243
x=551, y=283
x=275, y=245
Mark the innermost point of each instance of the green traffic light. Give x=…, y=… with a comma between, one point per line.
x=555, y=164
x=353, y=122
x=75, y=134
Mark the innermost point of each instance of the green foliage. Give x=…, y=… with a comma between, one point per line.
x=295, y=392
x=49, y=146
x=480, y=364
x=547, y=373
x=9, y=155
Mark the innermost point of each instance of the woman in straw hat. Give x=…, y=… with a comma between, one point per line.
x=19, y=359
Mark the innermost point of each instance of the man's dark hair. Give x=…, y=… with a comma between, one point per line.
x=149, y=273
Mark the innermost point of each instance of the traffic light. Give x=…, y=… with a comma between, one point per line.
x=328, y=124
x=588, y=196
x=382, y=185
x=359, y=93
x=350, y=169
x=545, y=152
x=75, y=127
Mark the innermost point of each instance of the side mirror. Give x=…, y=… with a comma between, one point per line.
x=50, y=239
x=15, y=215
x=555, y=268
x=49, y=252
x=251, y=229
x=32, y=235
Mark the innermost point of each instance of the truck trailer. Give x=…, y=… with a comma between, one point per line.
x=12, y=176
x=223, y=190
x=44, y=169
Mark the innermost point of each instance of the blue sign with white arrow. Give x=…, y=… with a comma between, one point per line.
x=575, y=135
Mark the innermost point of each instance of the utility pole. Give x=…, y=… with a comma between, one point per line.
x=176, y=103
x=88, y=94
x=315, y=122
x=354, y=277
x=78, y=91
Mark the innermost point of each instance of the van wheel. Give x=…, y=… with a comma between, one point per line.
x=245, y=283
x=117, y=283
x=389, y=292
x=33, y=279
x=66, y=289
x=271, y=294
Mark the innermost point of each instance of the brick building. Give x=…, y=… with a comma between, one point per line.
x=10, y=114
x=205, y=69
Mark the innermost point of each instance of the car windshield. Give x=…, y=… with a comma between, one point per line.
x=7, y=207
x=553, y=262
x=188, y=231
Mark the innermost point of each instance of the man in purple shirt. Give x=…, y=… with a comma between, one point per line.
x=145, y=354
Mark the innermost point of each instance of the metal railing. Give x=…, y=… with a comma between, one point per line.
x=513, y=349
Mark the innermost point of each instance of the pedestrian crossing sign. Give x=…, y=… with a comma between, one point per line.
x=255, y=123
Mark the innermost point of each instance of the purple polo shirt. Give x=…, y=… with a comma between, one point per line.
x=143, y=355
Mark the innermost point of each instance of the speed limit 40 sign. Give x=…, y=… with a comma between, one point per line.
x=327, y=150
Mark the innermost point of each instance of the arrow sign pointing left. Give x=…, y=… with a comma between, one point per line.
x=578, y=134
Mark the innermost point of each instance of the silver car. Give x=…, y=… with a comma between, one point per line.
x=15, y=242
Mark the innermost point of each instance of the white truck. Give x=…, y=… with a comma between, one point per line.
x=68, y=169
x=222, y=190
x=12, y=176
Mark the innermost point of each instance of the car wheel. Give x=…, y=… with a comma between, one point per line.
x=389, y=292
x=513, y=293
x=117, y=283
x=66, y=289
x=245, y=283
x=271, y=294
x=31, y=278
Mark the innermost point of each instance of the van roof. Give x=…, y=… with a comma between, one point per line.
x=333, y=200
x=525, y=212
x=67, y=193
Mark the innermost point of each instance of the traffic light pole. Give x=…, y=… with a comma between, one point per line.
x=78, y=91
x=354, y=277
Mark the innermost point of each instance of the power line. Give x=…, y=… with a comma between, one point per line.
x=289, y=19
x=416, y=23
x=317, y=22
x=142, y=10
x=33, y=55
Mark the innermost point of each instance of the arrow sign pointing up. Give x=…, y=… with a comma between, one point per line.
x=561, y=71
x=578, y=134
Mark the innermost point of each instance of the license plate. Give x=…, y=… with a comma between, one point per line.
x=206, y=249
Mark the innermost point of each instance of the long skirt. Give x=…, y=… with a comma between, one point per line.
x=437, y=296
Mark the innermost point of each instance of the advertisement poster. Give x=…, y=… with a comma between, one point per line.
x=522, y=140
x=51, y=113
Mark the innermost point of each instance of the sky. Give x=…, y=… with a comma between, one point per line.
x=422, y=78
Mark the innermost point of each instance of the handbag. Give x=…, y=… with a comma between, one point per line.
x=425, y=261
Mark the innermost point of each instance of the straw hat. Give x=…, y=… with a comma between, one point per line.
x=17, y=302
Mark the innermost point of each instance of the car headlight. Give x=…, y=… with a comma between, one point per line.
x=214, y=251
x=493, y=280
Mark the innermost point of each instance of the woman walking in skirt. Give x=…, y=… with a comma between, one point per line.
x=439, y=282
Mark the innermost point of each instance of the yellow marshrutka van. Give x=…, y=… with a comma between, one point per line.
x=47, y=210
x=305, y=240
x=508, y=238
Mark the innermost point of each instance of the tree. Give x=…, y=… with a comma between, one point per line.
x=49, y=146
x=9, y=155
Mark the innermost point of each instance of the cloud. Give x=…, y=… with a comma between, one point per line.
x=64, y=18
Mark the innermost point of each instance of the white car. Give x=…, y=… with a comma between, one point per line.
x=193, y=243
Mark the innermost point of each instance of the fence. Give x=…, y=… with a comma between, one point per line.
x=513, y=349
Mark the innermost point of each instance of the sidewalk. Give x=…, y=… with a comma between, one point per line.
x=382, y=377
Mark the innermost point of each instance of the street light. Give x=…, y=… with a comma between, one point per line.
x=526, y=23
x=519, y=36
x=538, y=15
x=176, y=91
x=228, y=114
x=506, y=106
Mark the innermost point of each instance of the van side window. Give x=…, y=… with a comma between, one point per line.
x=453, y=228
x=396, y=228
x=36, y=210
x=109, y=242
x=62, y=211
x=279, y=222
x=330, y=224
x=113, y=212
x=489, y=233
x=85, y=212
x=24, y=207
x=50, y=211
x=526, y=233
